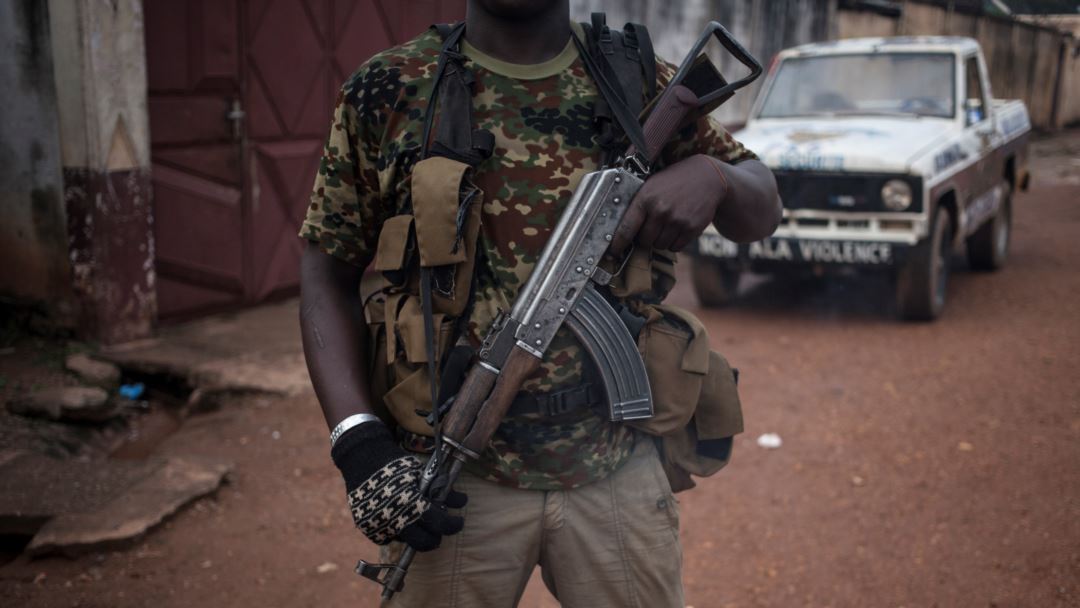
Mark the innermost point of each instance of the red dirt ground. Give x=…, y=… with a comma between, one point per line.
x=922, y=464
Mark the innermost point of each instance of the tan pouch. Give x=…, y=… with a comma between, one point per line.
x=436, y=191
x=407, y=396
x=675, y=347
x=405, y=359
x=695, y=396
x=408, y=335
x=439, y=185
x=719, y=411
x=393, y=243
x=646, y=271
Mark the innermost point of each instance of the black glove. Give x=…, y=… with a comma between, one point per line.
x=383, y=486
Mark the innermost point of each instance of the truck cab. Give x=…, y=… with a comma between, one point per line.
x=888, y=154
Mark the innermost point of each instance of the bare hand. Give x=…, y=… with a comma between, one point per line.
x=674, y=206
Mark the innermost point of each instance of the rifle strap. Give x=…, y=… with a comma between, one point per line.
x=429, y=343
x=626, y=119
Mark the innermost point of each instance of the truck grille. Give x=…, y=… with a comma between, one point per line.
x=840, y=191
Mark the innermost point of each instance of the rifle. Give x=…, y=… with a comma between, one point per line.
x=561, y=289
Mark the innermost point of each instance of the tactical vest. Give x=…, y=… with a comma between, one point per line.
x=427, y=254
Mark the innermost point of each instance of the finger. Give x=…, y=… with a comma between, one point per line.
x=456, y=500
x=629, y=226
x=437, y=521
x=420, y=539
x=650, y=230
x=668, y=235
x=683, y=241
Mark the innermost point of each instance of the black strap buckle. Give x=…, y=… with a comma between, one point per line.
x=556, y=404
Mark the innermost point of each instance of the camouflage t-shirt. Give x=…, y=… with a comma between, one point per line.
x=545, y=141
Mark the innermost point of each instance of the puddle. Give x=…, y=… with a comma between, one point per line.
x=146, y=432
x=160, y=412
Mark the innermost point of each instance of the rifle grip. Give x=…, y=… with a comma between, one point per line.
x=666, y=118
x=520, y=364
x=467, y=402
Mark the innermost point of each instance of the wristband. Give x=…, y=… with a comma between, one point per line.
x=348, y=423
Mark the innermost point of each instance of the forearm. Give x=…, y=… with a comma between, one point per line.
x=751, y=207
x=334, y=334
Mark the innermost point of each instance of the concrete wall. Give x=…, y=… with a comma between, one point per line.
x=764, y=28
x=33, y=233
x=100, y=80
x=75, y=216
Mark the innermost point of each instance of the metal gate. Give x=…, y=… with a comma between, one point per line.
x=240, y=96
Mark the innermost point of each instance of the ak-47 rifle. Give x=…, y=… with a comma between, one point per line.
x=561, y=290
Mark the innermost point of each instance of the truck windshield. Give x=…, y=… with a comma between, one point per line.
x=917, y=84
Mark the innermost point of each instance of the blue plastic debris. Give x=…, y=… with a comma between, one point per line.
x=132, y=391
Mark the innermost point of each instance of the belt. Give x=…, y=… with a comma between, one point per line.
x=557, y=403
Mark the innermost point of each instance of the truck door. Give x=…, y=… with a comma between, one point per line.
x=981, y=178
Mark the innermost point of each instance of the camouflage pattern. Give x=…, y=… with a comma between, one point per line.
x=541, y=117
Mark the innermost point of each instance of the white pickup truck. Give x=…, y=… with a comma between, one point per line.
x=888, y=153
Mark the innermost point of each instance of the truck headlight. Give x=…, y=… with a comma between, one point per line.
x=896, y=194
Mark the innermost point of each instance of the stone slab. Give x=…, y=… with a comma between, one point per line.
x=35, y=488
x=92, y=371
x=69, y=403
x=131, y=513
x=257, y=349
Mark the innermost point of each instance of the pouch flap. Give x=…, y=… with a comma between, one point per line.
x=719, y=412
x=635, y=277
x=681, y=452
x=696, y=357
x=436, y=192
x=393, y=242
x=406, y=397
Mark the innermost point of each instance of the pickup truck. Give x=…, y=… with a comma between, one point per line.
x=889, y=154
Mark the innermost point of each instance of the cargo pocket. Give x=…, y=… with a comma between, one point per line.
x=675, y=348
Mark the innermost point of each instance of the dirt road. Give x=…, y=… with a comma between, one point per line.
x=921, y=465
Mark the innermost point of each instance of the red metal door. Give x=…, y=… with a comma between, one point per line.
x=193, y=72
x=226, y=229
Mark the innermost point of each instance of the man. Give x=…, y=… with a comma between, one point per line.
x=584, y=498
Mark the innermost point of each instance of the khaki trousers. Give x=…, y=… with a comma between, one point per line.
x=612, y=543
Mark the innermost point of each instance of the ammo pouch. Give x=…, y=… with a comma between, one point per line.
x=695, y=397
x=441, y=234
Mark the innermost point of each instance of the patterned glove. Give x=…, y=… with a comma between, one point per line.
x=382, y=482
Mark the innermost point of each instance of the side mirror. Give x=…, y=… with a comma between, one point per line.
x=973, y=111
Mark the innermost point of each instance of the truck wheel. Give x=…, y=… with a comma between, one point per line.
x=714, y=283
x=922, y=281
x=989, y=246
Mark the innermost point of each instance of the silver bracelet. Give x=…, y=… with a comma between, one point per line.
x=348, y=423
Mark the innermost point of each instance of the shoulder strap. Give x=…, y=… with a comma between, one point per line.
x=636, y=37
x=620, y=63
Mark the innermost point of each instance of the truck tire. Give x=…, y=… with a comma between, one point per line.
x=715, y=284
x=922, y=281
x=988, y=247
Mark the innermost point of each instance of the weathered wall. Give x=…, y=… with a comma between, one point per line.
x=764, y=28
x=33, y=236
x=100, y=81
x=1023, y=58
x=1025, y=61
